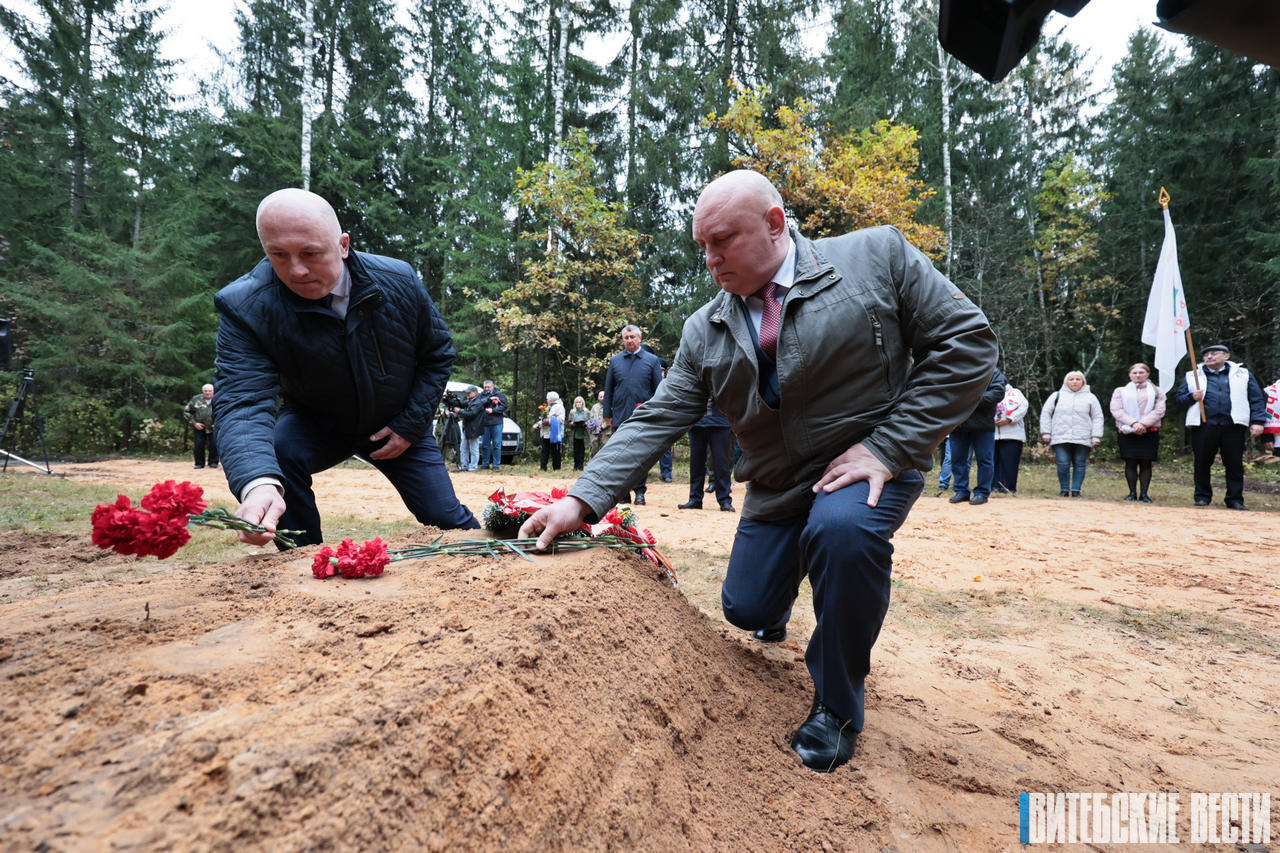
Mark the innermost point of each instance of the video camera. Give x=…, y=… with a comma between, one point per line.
x=452, y=401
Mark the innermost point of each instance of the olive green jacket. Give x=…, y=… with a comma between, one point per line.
x=875, y=346
x=199, y=410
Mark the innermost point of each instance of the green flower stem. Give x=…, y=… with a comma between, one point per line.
x=220, y=519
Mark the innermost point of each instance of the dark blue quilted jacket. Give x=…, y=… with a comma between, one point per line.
x=385, y=364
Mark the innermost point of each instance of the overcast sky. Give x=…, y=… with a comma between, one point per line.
x=198, y=27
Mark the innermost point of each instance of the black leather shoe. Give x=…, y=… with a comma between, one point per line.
x=1201, y=502
x=690, y=505
x=213, y=464
x=639, y=501
x=711, y=490
x=1236, y=505
x=977, y=500
x=771, y=635
x=1131, y=497
x=1146, y=499
x=197, y=467
x=959, y=498
x=824, y=741
x=727, y=506
x=1064, y=494
x=666, y=479
x=1075, y=494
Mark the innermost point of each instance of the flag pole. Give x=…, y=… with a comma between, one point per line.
x=1191, y=347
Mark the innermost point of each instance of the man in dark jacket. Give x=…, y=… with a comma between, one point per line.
x=977, y=434
x=710, y=433
x=472, y=415
x=840, y=364
x=632, y=377
x=493, y=404
x=356, y=351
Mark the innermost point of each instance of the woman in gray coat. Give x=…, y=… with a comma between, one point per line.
x=1071, y=423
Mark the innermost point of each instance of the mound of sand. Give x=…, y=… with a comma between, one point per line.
x=571, y=702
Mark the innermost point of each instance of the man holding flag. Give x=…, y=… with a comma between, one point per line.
x=1224, y=405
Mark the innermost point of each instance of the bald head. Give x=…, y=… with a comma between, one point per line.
x=741, y=227
x=296, y=204
x=305, y=244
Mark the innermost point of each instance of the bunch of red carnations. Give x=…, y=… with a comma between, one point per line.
x=351, y=560
x=157, y=526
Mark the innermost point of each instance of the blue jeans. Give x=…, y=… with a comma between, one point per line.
x=304, y=448
x=491, y=447
x=845, y=548
x=944, y=470
x=981, y=444
x=1071, y=456
x=469, y=453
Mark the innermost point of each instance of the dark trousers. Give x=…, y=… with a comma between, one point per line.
x=551, y=450
x=1008, y=458
x=1228, y=440
x=845, y=548
x=204, y=439
x=717, y=440
x=418, y=474
x=983, y=445
x=579, y=450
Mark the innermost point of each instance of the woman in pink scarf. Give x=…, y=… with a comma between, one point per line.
x=1138, y=409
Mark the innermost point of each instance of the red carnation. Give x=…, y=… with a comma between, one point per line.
x=557, y=494
x=372, y=557
x=175, y=499
x=161, y=536
x=322, y=566
x=114, y=526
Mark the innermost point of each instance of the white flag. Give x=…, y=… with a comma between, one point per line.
x=1165, y=327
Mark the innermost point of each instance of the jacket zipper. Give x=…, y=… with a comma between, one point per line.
x=878, y=332
x=377, y=351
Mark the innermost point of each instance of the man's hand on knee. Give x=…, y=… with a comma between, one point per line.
x=394, y=447
x=549, y=522
x=263, y=505
x=855, y=464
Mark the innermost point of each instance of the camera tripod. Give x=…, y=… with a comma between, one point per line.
x=27, y=386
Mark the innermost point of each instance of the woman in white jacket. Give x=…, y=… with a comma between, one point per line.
x=1011, y=435
x=1071, y=423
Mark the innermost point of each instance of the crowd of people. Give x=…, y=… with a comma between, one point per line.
x=838, y=364
x=1225, y=407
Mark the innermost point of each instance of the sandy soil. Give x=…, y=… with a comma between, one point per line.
x=580, y=703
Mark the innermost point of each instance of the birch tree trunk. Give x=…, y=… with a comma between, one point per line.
x=308, y=86
x=944, y=83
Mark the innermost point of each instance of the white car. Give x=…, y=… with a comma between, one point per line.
x=512, y=435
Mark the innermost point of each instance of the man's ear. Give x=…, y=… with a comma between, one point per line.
x=777, y=221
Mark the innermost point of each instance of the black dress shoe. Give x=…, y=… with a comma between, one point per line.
x=213, y=464
x=824, y=741
x=771, y=635
x=666, y=479
x=727, y=506
x=639, y=501
x=1236, y=505
x=977, y=500
x=1131, y=497
x=1075, y=494
x=1201, y=502
x=959, y=498
x=1146, y=499
x=197, y=467
x=711, y=489
x=690, y=505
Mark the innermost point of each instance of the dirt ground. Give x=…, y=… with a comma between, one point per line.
x=578, y=702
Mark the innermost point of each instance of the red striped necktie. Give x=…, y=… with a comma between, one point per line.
x=771, y=319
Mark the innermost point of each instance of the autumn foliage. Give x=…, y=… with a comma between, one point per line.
x=833, y=183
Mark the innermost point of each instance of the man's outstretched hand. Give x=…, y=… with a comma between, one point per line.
x=563, y=516
x=263, y=505
x=856, y=463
